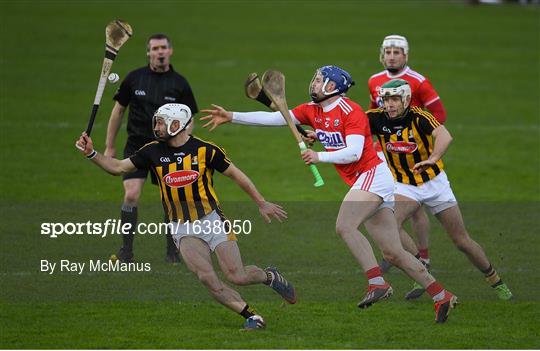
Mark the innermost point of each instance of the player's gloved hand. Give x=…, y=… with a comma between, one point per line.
x=216, y=117
x=85, y=144
x=310, y=157
x=311, y=137
x=269, y=209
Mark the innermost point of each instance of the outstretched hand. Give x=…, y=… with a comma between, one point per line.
x=216, y=117
x=85, y=144
x=269, y=209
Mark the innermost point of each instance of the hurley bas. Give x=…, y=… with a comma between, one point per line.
x=93, y=266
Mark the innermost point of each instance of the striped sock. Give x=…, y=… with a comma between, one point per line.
x=374, y=276
x=423, y=254
x=436, y=291
x=492, y=277
x=247, y=312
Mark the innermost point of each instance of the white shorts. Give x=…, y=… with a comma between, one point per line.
x=378, y=180
x=211, y=229
x=381, y=156
x=435, y=194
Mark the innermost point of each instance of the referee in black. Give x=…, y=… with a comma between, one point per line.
x=144, y=90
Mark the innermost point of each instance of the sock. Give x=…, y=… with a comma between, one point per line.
x=436, y=291
x=171, y=246
x=129, y=215
x=247, y=312
x=492, y=277
x=374, y=276
x=424, y=261
x=424, y=255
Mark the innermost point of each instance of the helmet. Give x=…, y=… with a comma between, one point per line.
x=397, y=87
x=171, y=113
x=339, y=76
x=396, y=41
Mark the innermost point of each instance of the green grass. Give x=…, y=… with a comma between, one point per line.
x=484, y=63
x=180, y=325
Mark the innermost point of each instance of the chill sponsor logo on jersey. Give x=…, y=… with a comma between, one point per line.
x=401, y=147
x=330, y=140
x=179, y=179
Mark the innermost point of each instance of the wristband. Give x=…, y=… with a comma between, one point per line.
x=91, y=155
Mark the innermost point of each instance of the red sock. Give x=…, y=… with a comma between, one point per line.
x=373, y=272
x=374, y=276
x=424, y=254
x=434, y=289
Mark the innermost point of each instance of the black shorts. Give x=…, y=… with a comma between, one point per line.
x=132, y=145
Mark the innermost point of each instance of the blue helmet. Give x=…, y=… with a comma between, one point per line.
x=339, y=76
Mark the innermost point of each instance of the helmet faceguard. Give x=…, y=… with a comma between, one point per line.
x=397, y=87
x=170, y=113
x=394, y=41
x=339, y=76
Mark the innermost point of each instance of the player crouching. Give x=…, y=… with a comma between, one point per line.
x=184, y=166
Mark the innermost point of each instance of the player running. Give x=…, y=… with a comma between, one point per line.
x=184, y=166
x=342, y=127
x=394, y=56
x=413, y=143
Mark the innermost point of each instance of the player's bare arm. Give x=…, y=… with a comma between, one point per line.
x=267, y=209
x=442, y=142
x=216, y=117
x=109, y=164
x=115, y=121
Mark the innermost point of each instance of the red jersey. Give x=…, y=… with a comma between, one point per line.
x=423, y=92
x=333, y=124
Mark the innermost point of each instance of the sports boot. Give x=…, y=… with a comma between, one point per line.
x=375, y=293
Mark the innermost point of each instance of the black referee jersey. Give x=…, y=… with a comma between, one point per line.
x=185, y=176
x=145, y=91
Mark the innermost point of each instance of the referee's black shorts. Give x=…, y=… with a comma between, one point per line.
x=132, y=145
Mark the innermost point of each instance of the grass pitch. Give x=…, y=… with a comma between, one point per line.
x=482, y=60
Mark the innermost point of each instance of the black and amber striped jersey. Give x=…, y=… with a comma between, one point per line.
x=184, y=176
x=405, y=142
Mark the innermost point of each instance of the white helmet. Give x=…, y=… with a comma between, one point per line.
x=171, y=113
x=397, y=87
x=397, y=41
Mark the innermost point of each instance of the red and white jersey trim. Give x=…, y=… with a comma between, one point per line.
x=431, y=101
x=345, y=106
x=406, y=71
x=342, y=103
